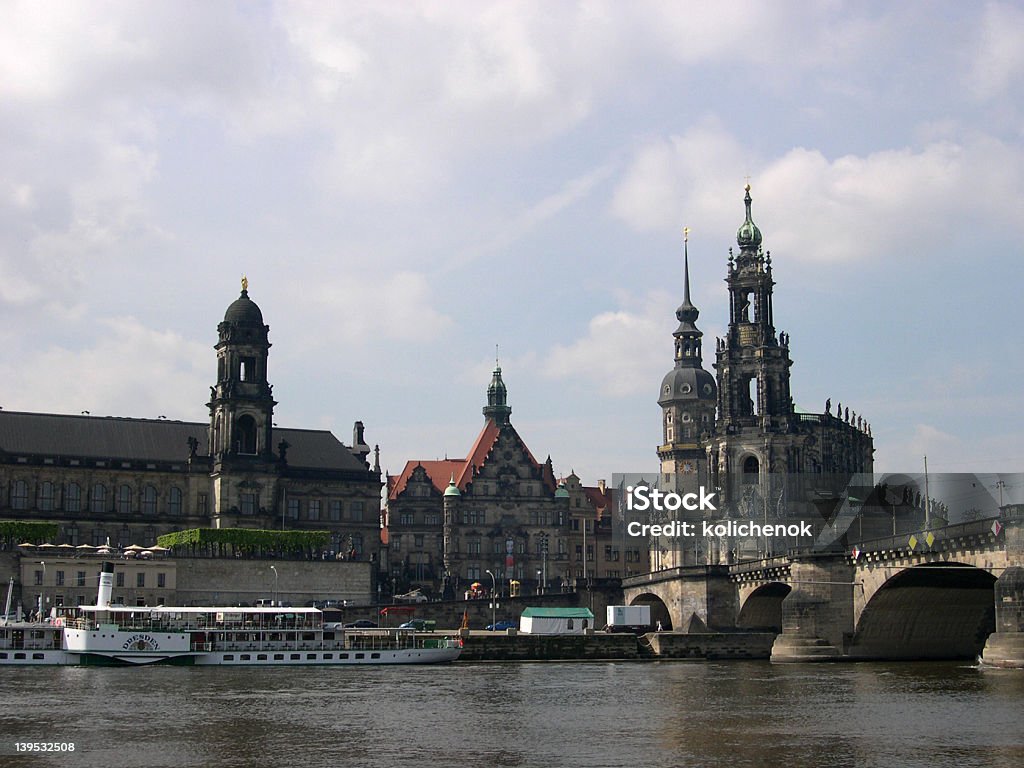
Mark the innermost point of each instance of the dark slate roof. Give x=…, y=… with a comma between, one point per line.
x=153, y=440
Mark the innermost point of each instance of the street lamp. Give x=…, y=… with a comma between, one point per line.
x=494, y=588
x=274, y=569
x=42, y=588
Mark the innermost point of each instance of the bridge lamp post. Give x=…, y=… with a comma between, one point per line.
x=494, y=587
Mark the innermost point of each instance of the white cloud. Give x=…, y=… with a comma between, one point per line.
x=361, y=310
x=887, y=203
x=999, y=58
x=623, y=353
x=131, y=370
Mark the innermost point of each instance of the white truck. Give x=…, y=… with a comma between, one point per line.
x=629, y=618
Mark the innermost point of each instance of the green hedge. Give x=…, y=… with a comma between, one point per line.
x=246, y=539
x=22, y=531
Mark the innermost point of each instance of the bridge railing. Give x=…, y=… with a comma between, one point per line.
x=983, y=527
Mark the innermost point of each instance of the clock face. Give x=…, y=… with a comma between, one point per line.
x=689, y=467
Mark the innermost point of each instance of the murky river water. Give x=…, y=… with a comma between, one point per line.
x=582, y=714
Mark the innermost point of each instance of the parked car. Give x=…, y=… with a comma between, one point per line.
x=420, y=625
x=501, y=626
x=361, y=624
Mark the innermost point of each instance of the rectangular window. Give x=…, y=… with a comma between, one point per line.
x=579, y=551
x=203, y=503
x=80, y=579
x=248, y=506
x=293, y=509
x=334, y=510
x=396, y=543
x=140, y=579
x=149, y=500
x=119, y=578
x=406, y=518
x=60, y=578
x=474, y=546
x=161, y=580
x=433, y=518
x=314, y=509
x=590, y=552
x=418, y=540
x=356, y=509
x=38, y=578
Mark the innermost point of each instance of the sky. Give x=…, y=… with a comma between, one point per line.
x=408, y=185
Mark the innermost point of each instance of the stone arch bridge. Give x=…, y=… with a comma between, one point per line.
x=953, y=592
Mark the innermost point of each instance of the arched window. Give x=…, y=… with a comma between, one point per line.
x=46, y=496
x=73, y=498
x=750, y=469
x=245, y=434
x=174, y=501
x=149, y=500
x=124, y=500
x=98, y=501
x=19, y=495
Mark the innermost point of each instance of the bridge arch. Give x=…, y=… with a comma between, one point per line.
x=659, y=611
x=930, y=611
x=762, y=610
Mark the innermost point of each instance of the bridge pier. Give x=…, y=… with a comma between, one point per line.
x=817, y=615
x=1005, y=646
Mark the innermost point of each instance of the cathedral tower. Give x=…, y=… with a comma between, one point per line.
x=753, y=363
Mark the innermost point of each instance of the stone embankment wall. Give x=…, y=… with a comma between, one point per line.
x=494, y=646
x=209, y=581
x=710, y=645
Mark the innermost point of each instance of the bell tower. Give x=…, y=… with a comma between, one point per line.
x=241, y=404
x=497, y=408
x=753, y=363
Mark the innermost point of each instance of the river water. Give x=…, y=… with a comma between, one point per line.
x=520, y=714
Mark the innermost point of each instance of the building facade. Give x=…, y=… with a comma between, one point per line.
x=127, y=480
x=498, y=511
x=739, y=432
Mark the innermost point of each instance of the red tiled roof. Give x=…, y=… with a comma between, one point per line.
x=441, y=472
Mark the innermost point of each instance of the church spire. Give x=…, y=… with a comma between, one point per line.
x=687, y=336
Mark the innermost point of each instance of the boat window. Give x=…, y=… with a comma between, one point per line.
x=278, y=657
x=342, y=655
x=261, y=657
x=311, y=657
x=296, y=656
x=246, y=657
x=374, y=655
x=229, y=657
x=37, y=655
x=360, y=655
x=328, y=656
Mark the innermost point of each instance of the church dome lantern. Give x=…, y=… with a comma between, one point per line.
x=748, y=236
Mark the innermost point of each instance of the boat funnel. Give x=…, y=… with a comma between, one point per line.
x=106, y=584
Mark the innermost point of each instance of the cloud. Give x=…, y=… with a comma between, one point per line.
x=624, y=353
x=360, y=310
x=999, y=57
x=812, y=209
x=130, y=370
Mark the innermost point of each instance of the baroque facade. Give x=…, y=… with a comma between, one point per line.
x=130, y=480
x=499, y=511
x=739, y=432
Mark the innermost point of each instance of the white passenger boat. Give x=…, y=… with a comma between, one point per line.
x=264, y=635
